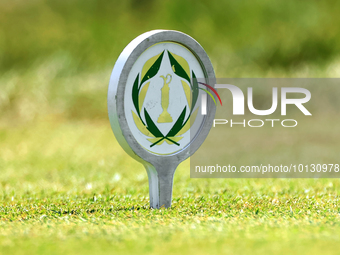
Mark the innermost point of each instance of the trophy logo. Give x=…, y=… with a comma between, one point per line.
x=165, y=116
x=183, y=91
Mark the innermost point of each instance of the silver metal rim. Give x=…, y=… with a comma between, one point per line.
x=116, y=92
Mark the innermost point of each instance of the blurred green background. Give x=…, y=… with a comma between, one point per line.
x=56, y=56
x=66, y=186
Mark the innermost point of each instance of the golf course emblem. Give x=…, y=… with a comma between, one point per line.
x=146, y=124
x=154, y=104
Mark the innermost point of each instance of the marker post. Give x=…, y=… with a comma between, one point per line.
x=154, y=101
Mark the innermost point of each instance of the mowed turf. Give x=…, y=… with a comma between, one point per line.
x=68, y=188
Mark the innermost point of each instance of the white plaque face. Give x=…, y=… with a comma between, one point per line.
x=158, y=98
x=154, y=97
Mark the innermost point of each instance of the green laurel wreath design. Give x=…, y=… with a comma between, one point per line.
x=181, y=121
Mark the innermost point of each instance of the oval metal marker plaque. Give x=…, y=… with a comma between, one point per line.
x=154, y=104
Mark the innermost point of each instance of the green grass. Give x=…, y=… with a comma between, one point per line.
x=67, y=187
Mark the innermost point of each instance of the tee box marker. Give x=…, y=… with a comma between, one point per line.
x=154, y=105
